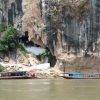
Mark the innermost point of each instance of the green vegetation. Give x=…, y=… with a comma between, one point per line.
x=1, y=68
x=10, y=41
x=21, y=47
x=1, y=6
x=44, y=54
x=51, y=58
x=2, y=27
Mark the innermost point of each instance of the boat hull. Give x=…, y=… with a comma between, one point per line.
x=16, y=75
x=80, y=76
x=4, y=78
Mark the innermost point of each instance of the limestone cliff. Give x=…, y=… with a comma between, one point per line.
x=69, y=28
x=73, y=30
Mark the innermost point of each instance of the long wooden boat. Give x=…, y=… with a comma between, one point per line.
x=75, y=75
x=16, y=75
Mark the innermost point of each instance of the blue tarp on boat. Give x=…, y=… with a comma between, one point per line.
x=74, y=75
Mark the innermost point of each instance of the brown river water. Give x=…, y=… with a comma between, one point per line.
x=58, y=89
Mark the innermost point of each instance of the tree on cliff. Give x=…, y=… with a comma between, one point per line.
x=10, y=41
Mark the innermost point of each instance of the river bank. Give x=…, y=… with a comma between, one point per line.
x=41, y=71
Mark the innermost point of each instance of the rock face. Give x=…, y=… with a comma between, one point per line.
x=69, y=28
x=73, y=27
x=11, y=12
x=25, y=15
x=32, y=21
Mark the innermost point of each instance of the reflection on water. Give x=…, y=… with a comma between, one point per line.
x=50, y=89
